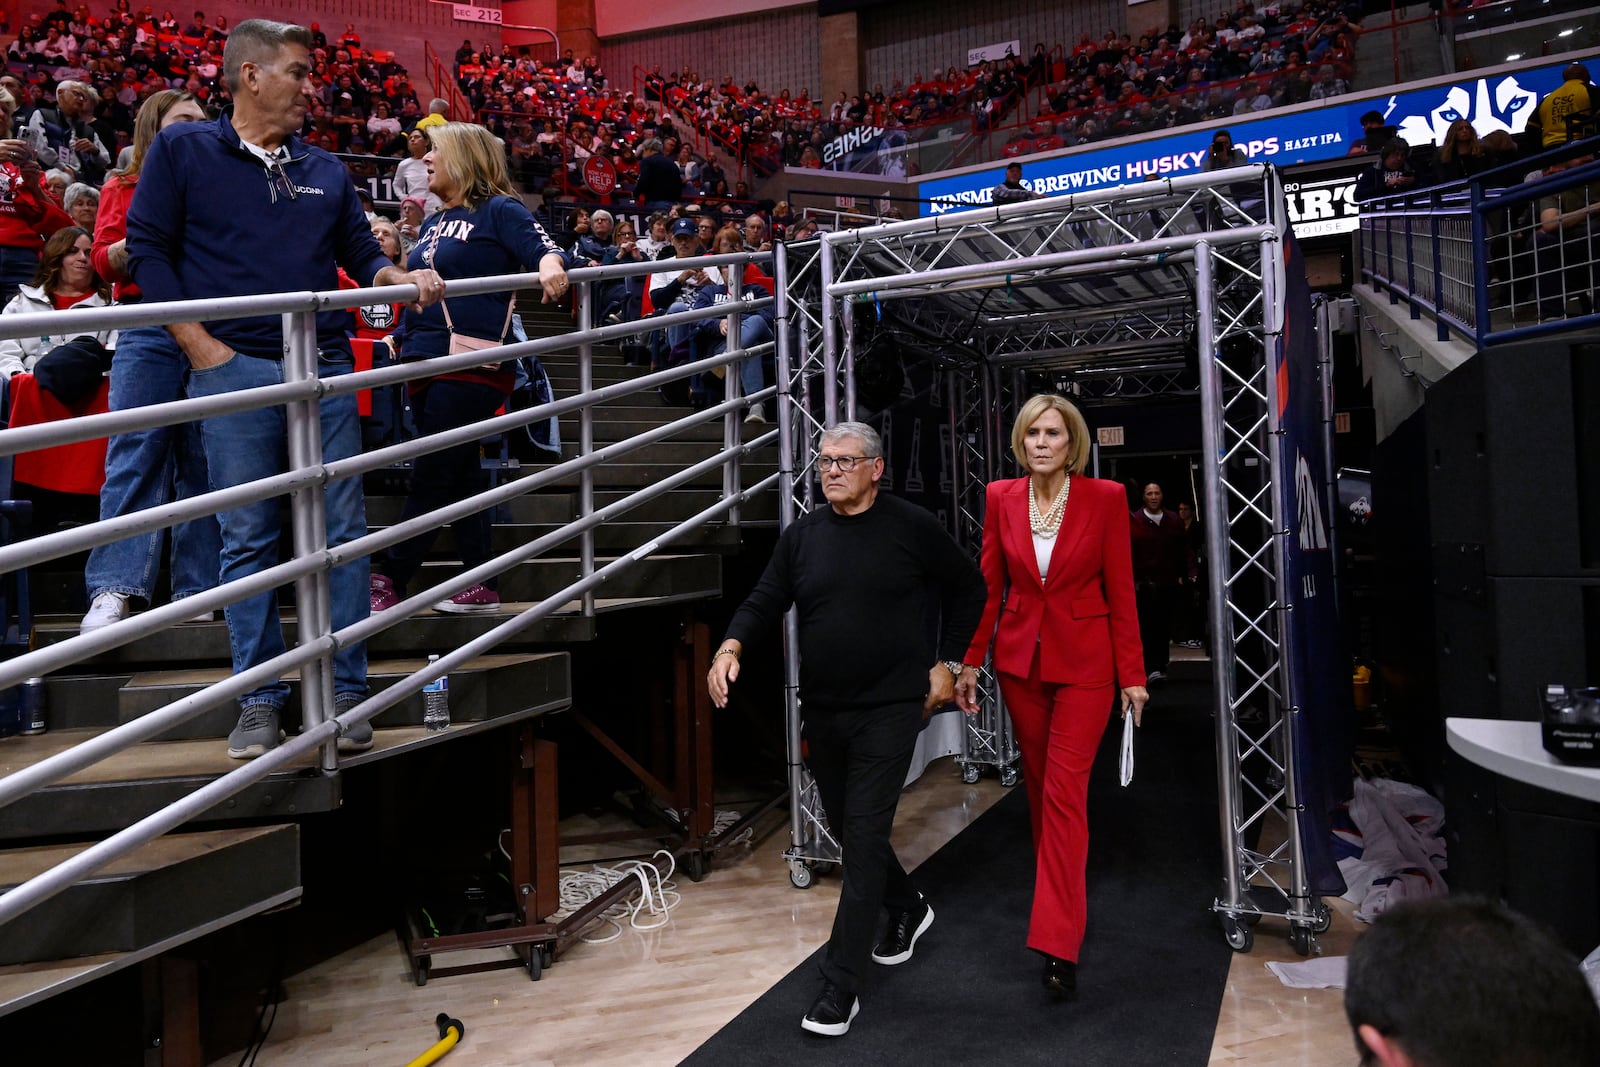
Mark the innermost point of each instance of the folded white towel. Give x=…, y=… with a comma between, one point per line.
x=1325, y=972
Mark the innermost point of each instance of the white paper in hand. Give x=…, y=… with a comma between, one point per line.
x=1127, y=745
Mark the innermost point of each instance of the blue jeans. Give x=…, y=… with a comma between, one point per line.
x=753, y=330
x=17, y=267
x=149, y=468
x=253, y=444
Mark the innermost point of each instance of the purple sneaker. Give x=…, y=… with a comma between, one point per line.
x=472, y=599
x=383, y=593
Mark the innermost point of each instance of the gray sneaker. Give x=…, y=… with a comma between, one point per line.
x=257, y=732
x=357, y=738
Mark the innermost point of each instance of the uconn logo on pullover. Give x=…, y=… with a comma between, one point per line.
x=453, y=229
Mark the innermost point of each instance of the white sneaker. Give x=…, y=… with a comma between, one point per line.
x=105, y=609
x=757, y=415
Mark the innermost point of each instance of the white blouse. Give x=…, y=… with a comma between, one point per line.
x=1042, y=547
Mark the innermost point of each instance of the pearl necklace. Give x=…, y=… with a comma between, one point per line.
x=1048, y=524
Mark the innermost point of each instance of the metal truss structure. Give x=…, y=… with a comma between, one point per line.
x=1104, y=295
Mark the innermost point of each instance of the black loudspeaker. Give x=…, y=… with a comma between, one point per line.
x=1513, y=452
x=1496, y=650
x=1513, y=459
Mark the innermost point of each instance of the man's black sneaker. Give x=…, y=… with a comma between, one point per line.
x=832, y=1012
x=901, y=937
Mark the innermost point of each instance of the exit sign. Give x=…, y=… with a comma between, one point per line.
x=1110, y=436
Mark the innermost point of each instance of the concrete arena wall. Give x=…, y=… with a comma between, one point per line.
x=779, y=49
x=902, y=38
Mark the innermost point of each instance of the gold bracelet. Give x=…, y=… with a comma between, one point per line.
x=726, y=652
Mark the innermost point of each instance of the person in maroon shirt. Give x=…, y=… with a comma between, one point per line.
x=1162, y=562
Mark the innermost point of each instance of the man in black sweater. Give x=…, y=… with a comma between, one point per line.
x=867, y=574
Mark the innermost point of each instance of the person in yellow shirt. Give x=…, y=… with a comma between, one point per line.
x=436, y=114
x=1575, y=96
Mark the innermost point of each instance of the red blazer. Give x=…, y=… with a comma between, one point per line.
x=1082, y=617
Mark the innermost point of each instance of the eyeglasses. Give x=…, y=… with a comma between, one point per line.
x=276, y=175
x=846, y=464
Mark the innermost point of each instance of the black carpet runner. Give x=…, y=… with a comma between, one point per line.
x=1153, y=965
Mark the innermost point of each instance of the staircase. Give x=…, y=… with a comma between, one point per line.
x=242, y=857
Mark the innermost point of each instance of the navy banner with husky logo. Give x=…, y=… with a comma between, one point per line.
x=1319, y=668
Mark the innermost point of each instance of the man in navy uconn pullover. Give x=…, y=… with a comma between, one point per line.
x=237, y=207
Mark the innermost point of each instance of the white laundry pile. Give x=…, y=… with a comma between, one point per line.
x=1394, y=849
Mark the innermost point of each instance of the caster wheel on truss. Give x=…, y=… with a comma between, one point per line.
x=800, y=876
x=535, y=963
x=423, y=966
x=969, y=773
x=1009, y=776
x=1321, y=918
x=1240, y=936
x=547, y=953
x=1300, y=939
x=697, y=867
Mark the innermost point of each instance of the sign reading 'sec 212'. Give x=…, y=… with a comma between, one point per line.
x=1500, y=102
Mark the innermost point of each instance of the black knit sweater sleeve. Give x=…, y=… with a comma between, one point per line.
x=882, y=596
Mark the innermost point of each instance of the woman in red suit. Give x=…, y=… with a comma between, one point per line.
x=1057, y=562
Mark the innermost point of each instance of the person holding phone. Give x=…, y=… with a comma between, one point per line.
x=1060, y=614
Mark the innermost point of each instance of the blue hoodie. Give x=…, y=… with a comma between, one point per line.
x=209, y=220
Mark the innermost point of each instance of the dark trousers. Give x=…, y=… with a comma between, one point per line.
x=1155, y=604
x=444, y=477
x=859, y=760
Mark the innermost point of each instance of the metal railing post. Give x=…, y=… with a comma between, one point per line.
x=1440, y=329
x=1217, y=556
x=830, y=346
x=1480, y=256
x=733, y=382
x=583, y=303
x=308, y=519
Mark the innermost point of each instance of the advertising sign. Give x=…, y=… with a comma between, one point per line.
x=1322, y=206
x=1497, y=102
x=993, y=53
x=599, y=174
x=470, y=13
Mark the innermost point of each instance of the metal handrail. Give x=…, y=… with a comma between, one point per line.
x=1436, y=250
x=317, y=641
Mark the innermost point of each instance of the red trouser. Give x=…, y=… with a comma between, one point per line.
x=1058, y=731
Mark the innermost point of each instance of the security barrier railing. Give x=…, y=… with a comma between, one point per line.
x=1494, y=258
x=305, y=483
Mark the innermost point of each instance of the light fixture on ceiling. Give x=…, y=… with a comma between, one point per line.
x=1566, y=33
x=1513, y=57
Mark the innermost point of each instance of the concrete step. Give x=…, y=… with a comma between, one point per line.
x=193, y=644
x=137, y=781
x=162, y=894
x=682, y=503
x=676, y=576
x=611, y=539
x=635, y=475
x=486, y=687
x=534, y=509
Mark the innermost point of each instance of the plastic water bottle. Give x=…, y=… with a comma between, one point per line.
x=436, y=701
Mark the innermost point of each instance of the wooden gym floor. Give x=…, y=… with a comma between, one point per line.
x=650, y=997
